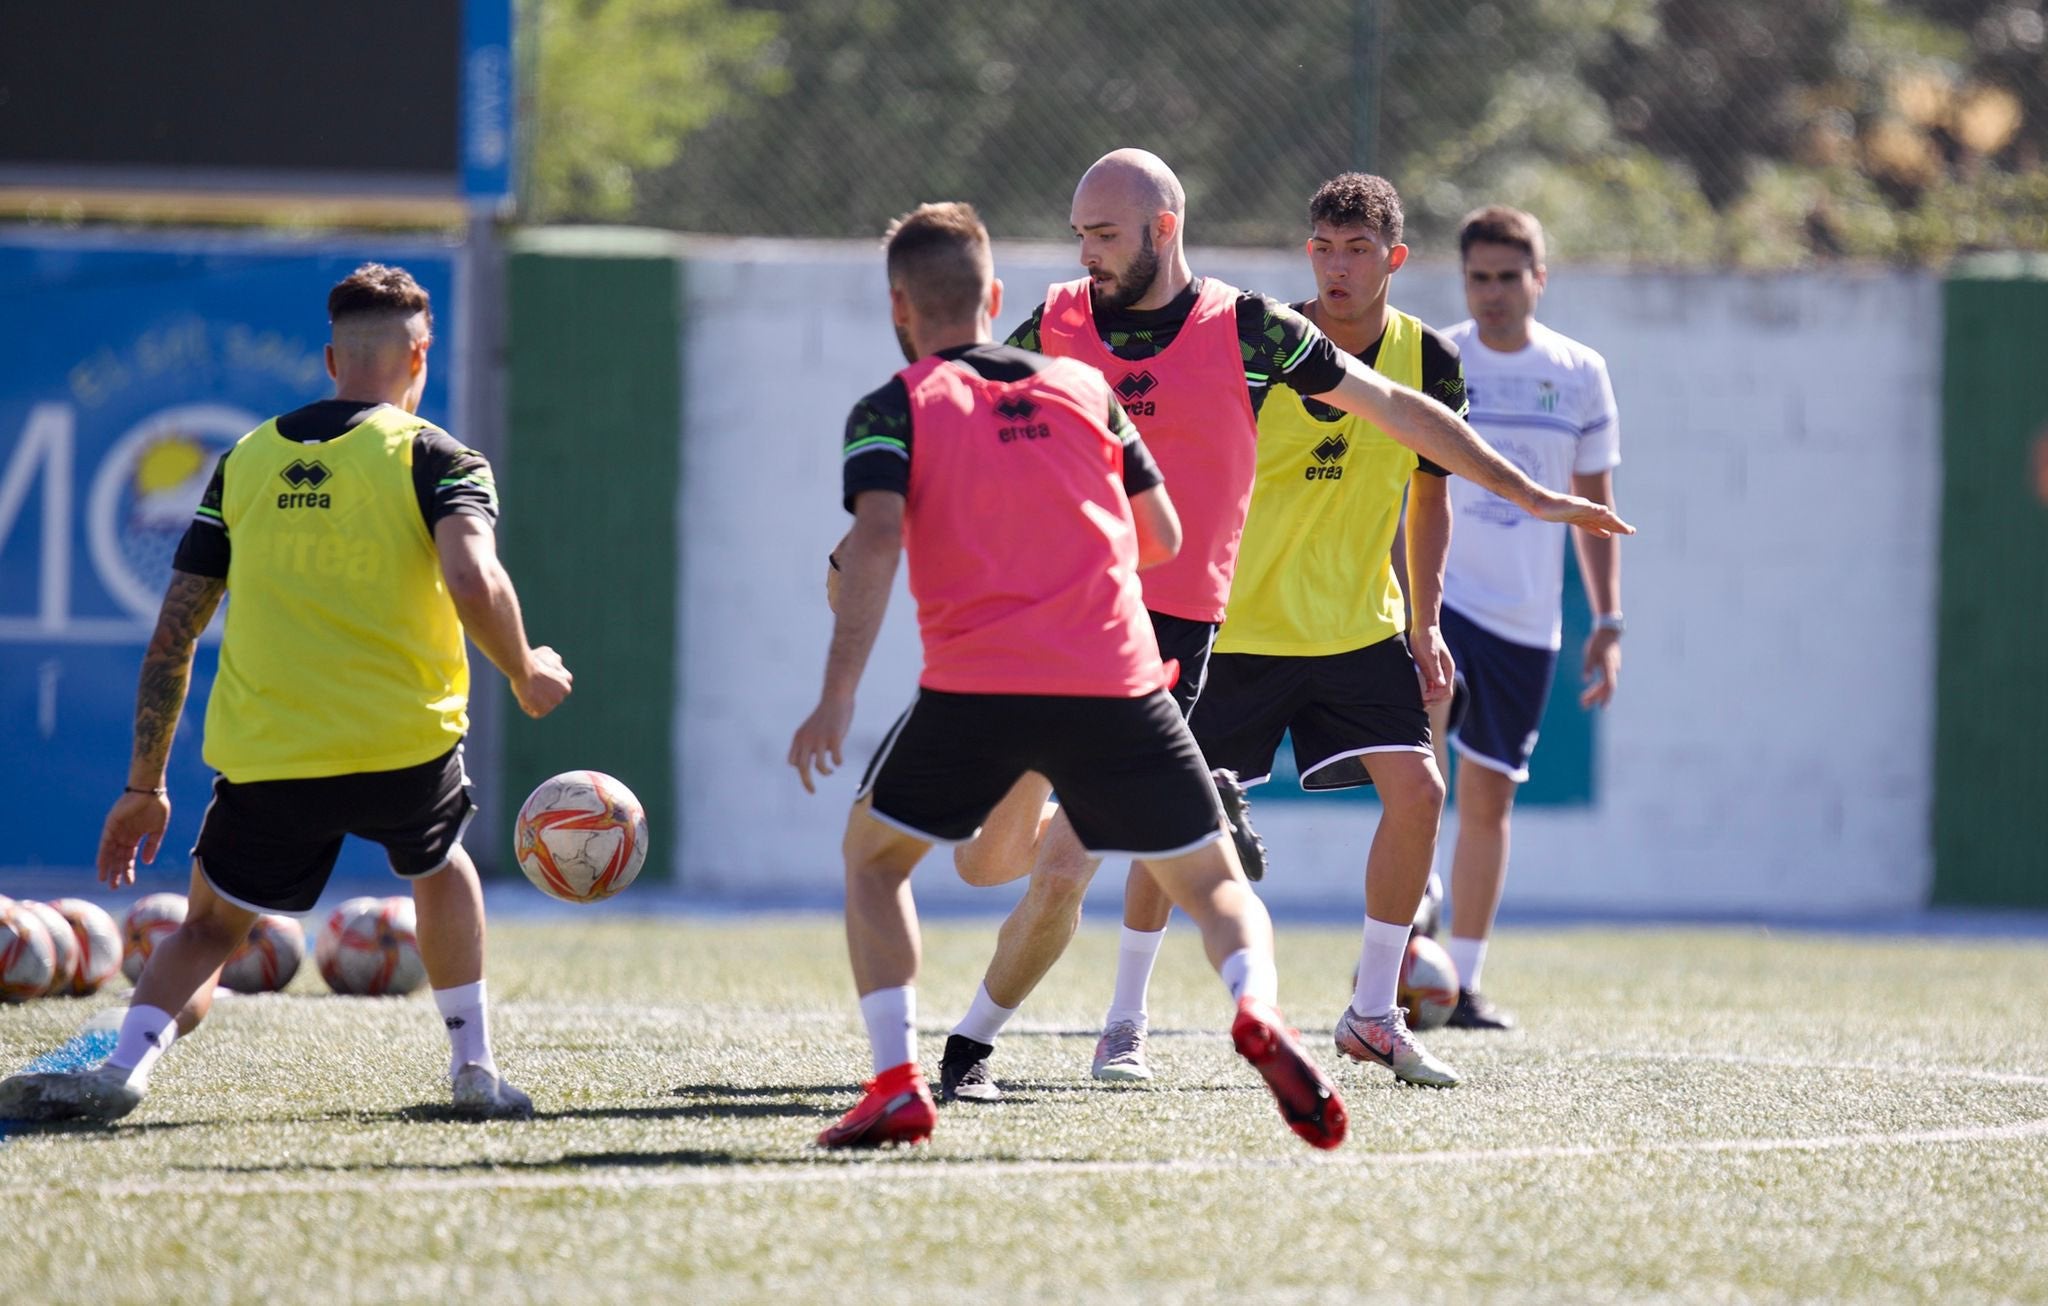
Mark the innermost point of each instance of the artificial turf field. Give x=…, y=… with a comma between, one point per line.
x=1686, y=1115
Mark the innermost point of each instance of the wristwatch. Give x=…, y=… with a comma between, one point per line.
x=1611, y=621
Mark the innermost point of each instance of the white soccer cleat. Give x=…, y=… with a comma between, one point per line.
x=102, y=1093
x=1387, y=1041
x=481, y=1095
x=1120, y=1053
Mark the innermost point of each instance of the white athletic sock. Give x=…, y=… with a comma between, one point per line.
x=891, y=1016
x=985, y=1019
x=1468, y=955
x=469, y=1026
x=146, y=1034
x=1251, y=974
x=1134, y=958
x=1379, y=967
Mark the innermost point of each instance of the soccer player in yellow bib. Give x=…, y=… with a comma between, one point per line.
x=1318, y=639
x=363, y=550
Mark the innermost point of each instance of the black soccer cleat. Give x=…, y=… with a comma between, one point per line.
x=1475, y=1012
x=1251, y=850
x=963, y=1071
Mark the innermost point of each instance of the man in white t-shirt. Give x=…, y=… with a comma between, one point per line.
x=1545, y=402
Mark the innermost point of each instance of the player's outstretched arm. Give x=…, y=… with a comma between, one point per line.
x=1441, y=436
x=1159, y=534
x=142, y=812
x=489, y=608
x=867, y=571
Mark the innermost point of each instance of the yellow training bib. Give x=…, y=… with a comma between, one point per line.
x=342, y=651
x=1314, y=573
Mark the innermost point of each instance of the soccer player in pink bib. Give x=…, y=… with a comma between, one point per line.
x=1025, y=504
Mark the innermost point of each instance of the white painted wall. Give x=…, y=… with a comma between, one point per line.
x=1770, y=749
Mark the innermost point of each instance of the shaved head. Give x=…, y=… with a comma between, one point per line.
x=1134, y=182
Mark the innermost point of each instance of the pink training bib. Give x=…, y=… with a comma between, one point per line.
x=1022, y=550
x=1190, y=404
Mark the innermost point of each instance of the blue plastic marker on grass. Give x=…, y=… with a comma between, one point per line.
x=92, y=1044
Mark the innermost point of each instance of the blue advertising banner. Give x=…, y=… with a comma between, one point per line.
x=487, y=119
x=129, y=367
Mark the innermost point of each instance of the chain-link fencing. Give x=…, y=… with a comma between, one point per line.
x=1759, y=132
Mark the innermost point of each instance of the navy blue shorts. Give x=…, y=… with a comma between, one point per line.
x=1501, y=692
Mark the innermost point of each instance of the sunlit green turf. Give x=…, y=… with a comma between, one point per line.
x=1698, y=1115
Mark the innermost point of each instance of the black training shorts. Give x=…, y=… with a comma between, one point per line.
x=1340, y=708
x=1127, y=771
x=270, y=845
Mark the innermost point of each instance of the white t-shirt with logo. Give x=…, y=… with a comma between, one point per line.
x=1549, y=409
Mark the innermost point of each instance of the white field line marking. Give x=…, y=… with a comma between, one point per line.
x=779, y=1174
x=774, y=1173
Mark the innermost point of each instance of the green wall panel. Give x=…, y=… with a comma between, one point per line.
x=1991, y=727
x=590, y=486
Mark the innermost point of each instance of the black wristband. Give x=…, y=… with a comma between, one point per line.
x=157, y=792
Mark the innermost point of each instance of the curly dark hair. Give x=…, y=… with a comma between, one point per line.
x=1359, y=199
x=378, y=288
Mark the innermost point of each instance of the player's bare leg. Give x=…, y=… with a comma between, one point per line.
x=178, y=978
x=1372, y=1028
x=1237, y=935
x=882, y=942
x=1008, y=844
x=1479, y=867
x=449, y=902
x=1033, y=936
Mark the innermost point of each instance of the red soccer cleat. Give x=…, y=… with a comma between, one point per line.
x=1308, y=1100
x=897, y=1108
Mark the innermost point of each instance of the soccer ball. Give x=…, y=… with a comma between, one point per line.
x=580, y=836
x=268, y=958
x=370, y=947
x=62, y=941
x=1429, y=983
x=28, y=960
x=99, y=943
x=150, y=921
x=1429, y=913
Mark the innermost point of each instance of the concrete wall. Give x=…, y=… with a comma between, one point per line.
x=1769, y=750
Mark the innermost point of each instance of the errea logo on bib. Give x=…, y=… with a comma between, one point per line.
x=306, y=479
x=1329, y=463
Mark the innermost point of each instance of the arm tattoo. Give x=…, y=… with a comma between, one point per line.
x=167, y=666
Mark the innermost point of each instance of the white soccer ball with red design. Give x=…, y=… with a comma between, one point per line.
x=150, y=921
x=62, y=941
x=28, y=960
x=268, y=958
x=581, y=836
x=1429, y=983
x=100, y=946
x=370, y=947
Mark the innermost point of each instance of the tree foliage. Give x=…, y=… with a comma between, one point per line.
x=1754, y=132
